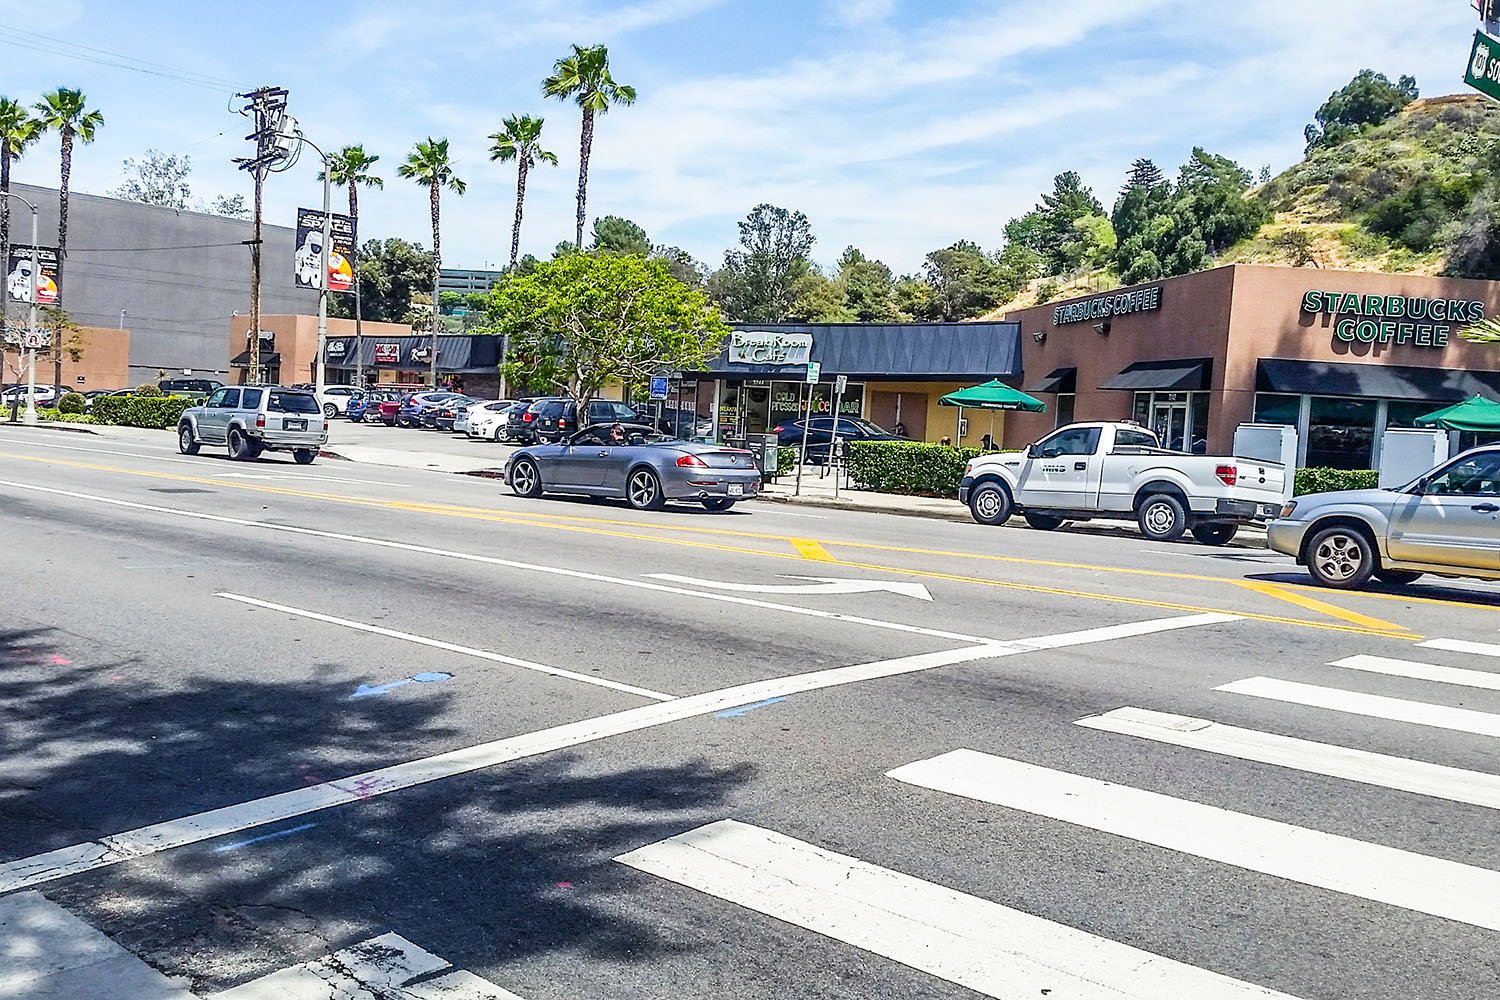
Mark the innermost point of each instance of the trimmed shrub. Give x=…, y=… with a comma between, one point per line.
x=71, y=402
x=140, y=411
x=1329, y=480
x=786, y=462
x=58, y=416
x=147, y=389
x=911, y=467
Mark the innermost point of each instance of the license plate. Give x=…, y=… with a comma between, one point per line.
x=736, y=490
x=294, y=425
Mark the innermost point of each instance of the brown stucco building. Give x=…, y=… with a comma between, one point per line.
x=103, y=360
x=1342, y=355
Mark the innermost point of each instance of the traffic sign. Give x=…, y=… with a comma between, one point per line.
x=658, y=388
x=1483, y=73
x=840, y=383
x=814, y=372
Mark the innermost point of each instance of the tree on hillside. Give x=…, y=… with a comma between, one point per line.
x=912, y=298
x=964, y=281
x=818, y=298
x=760, y=279
x=585, y=77
x=1069, y=201
x=1369, y=99
x=683, y=266
x=586, y=321
x=1143, y=173
x=520, y=139
x=158, y=179
x=613, y=234
x=1091, y=243
x=866, y=286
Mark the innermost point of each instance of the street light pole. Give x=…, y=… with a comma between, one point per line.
x=29, y=417
x=320, y=380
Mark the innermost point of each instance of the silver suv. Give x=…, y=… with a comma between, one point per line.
x=251, y=419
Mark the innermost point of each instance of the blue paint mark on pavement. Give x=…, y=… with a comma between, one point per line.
x=734, y=713
x=430, y=678
x=268, y=836
x=367, y=690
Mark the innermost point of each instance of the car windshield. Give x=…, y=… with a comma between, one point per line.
x=292, y=402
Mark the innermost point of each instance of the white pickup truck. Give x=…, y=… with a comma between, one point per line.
x=1120, y=471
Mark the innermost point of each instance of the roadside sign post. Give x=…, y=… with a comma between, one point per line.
x=1483, y=71
x=658, y=393
x=836, y=446
x=814, y=372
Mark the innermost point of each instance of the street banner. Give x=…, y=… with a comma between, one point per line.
x=308, y=260
x=18, y=276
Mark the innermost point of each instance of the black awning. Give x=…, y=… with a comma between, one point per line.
x=266, y=360
x=1183, y=375
x=1337, y=378
x=1063, y=380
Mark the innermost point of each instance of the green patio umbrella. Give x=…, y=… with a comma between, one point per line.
x=993, y=395
x=1476, y=414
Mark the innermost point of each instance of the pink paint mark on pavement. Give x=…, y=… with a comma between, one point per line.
x=58, y=661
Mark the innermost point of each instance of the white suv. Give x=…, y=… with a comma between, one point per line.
x=335, y=399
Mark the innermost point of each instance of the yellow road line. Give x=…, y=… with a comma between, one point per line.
x=809, y=549
x=480, y=514
x=1313, y=604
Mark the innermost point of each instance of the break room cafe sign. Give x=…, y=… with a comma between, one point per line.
x=1392, y=319
x=769, y=347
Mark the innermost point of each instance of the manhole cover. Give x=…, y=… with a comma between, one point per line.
x=186, y=489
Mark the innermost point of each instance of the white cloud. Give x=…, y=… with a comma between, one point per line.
x=858, y=12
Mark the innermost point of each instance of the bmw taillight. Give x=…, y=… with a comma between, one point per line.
x=691, y=462
x=1228, y=474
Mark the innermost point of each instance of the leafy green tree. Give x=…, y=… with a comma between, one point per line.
x=1369, y=99
x=1165, y=230
x=1017, y=267
x=760, y=284
x=17, y=131
x=520, y=139
x=1031, y=231
x=231, y=207
x=393, y=272
x=684, y=267
x=586, y=321
x=430, y=165
x=912, y=298
x=1069, y=201
x=613, y=234
x=65, y=112
x=353, y=168
x=1143, y=173
x=867, y=287
x=818, y=299
x=585, y=77
x=964, y=281
x=1092, y=244
x=159, y=179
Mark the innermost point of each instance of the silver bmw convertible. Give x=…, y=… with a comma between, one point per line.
x=637, y=464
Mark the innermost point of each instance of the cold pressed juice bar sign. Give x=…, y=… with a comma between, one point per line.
x=1387, y=319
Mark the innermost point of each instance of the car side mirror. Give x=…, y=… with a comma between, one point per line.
x=1033, y=451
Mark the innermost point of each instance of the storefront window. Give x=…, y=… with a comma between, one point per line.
x=1341, y=433
x=1405, y=414
x=1065, y=409
x=1141, y=414
x=1200, y=423
x=1274, y=409
x=1179, y=419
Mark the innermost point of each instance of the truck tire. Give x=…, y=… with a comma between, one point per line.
x=991, y=503
x=186, y=443
x=1162, y=517
x=1341, y=557
x=1215, y=534
x=1043, y=522
x=241, y=448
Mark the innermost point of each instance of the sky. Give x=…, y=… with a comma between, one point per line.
x=898, y=126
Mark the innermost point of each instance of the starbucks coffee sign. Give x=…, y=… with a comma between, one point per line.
x=1105, y=306
x=769, y=347
x=1392, y=319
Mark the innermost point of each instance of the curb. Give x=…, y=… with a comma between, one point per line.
x=55, y=426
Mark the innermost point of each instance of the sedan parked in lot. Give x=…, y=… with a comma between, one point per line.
x=410, y=413
x=1447, y=522
x=820, y=434
x=521, y=425
x=489, y=420
x=336, y=398
x=636, y=464
x=559, y=417
x=445, y=416
x=365, y=407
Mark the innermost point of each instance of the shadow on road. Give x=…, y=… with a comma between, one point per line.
x=1427, y=591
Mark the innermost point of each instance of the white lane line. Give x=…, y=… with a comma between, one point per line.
x=991, y=949
x=572, y=574
x=451, y=647
x=1420, y=671
x=1463, y=720
x=1342, y=864
x=788, y=513
x=157, y=837
x=1436, y=780
x=1463, y=646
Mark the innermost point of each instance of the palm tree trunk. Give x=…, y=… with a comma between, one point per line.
x=585, y=146
x=359, y=314
x=62, y=246
x=437, y=271
x=515, y=233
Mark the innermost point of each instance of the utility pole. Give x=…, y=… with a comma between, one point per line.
x=267, y=106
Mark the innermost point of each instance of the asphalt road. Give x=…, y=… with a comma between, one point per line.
x=252, y=715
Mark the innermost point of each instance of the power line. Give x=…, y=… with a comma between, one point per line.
x=192, y=246
x=72, y=50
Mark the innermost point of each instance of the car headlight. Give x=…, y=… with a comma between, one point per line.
x=1289, y=509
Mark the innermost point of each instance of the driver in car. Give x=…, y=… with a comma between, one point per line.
x=617, y=434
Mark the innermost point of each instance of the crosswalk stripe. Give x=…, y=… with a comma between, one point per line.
x=1371, y=871
x=991, y=949
x=1421, y=671
x=1463, y=646
x=1463, y=720
x=1436, y=780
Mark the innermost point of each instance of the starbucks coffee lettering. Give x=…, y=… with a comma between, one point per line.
x=1105, y=306
x=1392, y=319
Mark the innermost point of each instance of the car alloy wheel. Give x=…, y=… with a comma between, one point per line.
x=644, y=490
x=330, y=411
x=1340, y=557
x=525, y=480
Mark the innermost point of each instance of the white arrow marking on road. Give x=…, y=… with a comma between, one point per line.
x=819, y=585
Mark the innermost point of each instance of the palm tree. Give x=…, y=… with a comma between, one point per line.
x=584, y=76
x=351, y=165
x=17, y=131
x=63, y=111
x=430, y=164
x=520, y=140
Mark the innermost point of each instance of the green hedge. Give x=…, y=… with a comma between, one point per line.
x=786, y=462
x=140, y=411
x=1329, y=480
x=911, y=467
x=57, y=416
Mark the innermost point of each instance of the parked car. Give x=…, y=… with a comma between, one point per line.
x=448, y=411
x=491, y=421
x=1446, y=522
x=46, y=395
x=335, y=399
x=646, y=469
x=1119, y=471
x=365, y=406
x=390, y=410
x=521, y=425
x=190, y=388
x=559, y=417
x=253, y=419
x=820, y=434
x=409, y=415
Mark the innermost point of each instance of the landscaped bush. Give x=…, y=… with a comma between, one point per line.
x=71, y=402
x=147, y=389
x=1329, y=480
x=911, y=467
x=140, y=411
x=786, y=462
x=58, y=416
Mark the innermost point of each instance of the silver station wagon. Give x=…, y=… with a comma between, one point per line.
x=252, y=419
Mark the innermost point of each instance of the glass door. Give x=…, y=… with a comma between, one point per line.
x=1170, y=422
